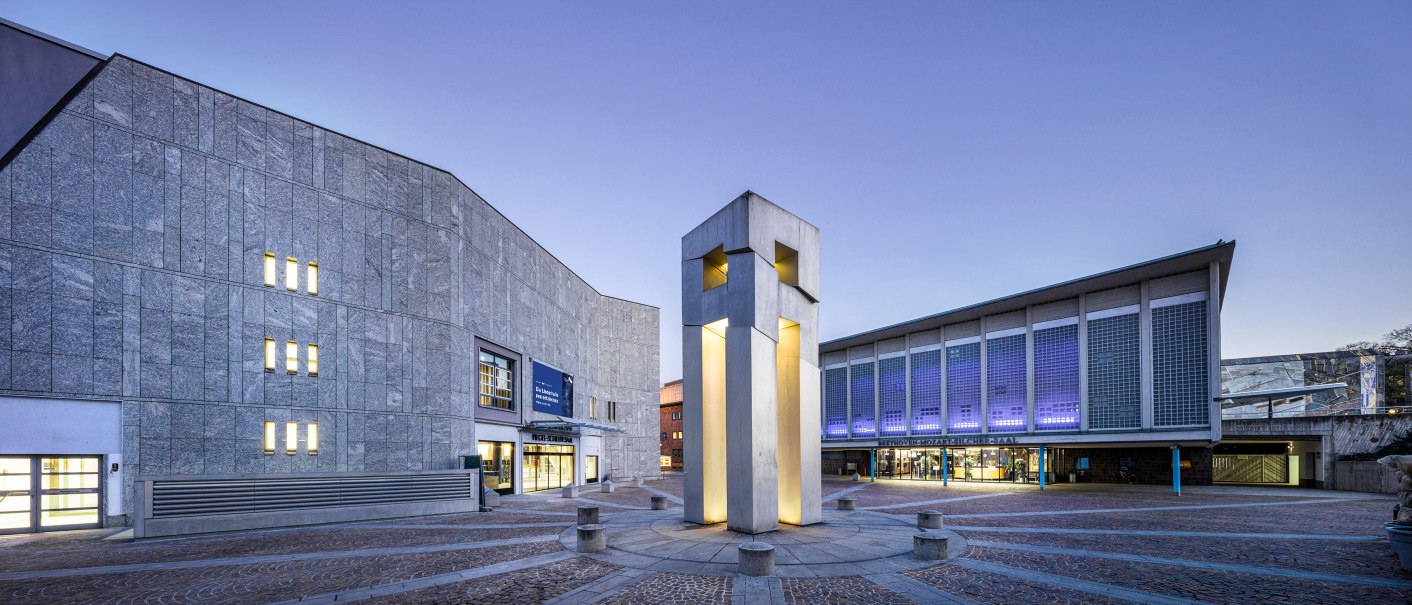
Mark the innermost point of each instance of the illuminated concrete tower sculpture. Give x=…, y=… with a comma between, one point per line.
x=750, y=376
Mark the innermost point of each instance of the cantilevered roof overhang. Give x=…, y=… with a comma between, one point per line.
x=1271, y=394
x=1191, y=260
x=570, y=425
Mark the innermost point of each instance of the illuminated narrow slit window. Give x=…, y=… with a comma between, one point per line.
x=270, y=265
x=291, y=274
x=291, y=438
x=313, y=360
x=311, y=438
x=269, y=354
x=291, y=357
x=269, y=437
x=313, y=278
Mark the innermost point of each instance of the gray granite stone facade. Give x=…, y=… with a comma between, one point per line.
x=133, y=230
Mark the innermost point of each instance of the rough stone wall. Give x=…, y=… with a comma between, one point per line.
x=132, y=235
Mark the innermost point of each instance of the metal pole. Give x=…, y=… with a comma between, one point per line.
x=944, y=470
x=1041, y=468
x=873, y=465
x=1177, y=470
x=1269, y=408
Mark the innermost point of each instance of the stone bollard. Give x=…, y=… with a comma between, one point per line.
x=588, y=515
x=847, y=504
x=489, y=498
x=606, y=487
x=592, y=538
x=659, y=503
x=929, y=546
x=856, y=477
x=929, y=519
x=571, y=491
x=756, y=559
x=636, y=482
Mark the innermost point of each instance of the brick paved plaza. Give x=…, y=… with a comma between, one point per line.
x=1068, y=544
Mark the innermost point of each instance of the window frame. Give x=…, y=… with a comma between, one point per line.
x=510, y=369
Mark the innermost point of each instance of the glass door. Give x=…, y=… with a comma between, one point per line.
x=68, y=492
x=16, y=499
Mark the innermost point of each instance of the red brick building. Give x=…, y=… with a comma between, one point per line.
x=669, y=399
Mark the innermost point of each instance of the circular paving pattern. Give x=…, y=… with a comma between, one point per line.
x=846, y=543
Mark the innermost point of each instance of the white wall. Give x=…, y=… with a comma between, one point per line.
x=36, y=426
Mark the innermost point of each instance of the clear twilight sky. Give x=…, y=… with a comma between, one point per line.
x=950, y=152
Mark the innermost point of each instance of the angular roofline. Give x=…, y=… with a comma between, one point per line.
x=1221, y=251
x=48, y=38
x=105, y=60
x=402, y=155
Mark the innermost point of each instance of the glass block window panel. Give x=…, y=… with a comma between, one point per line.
x=926, y=393
x=892, y=396
x=1180, y=391
x=861, y=387
x=1114, y=373
x=1056, y=378
x=836, y=403
x=963, y=388
x=1005, y=382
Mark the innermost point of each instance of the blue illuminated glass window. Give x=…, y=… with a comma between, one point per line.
x=1005, y=382
x=1180, y=392
x=861, y=386
x=926, y=393
x=1056, y=378
x=1114, y=373
x=963, y=388
x=892, y=395
x=836, y=403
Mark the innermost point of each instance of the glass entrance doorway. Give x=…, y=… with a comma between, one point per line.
x=498, y=465
x=548, y=466
x=43, y=493
x=1009, y=464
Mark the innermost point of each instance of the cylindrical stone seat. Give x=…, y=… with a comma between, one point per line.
x=571, y=491
x=606, y=487
x=756, y=559
x=929, y=519
x=929, y=546
x=659, y=503
x=636, y=482
x=847, y=504
x=592, y=538
x=588, y=515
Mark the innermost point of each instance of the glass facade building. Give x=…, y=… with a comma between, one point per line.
x=1120, y=360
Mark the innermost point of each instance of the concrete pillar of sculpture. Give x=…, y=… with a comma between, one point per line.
x=750, y=291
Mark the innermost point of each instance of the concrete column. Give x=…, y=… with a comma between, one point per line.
x=1029, y=369
x=985, y=384
x=752, y=455
x=1144, y=350
x=750, y=368
x=1083, y=363
x=704, y=424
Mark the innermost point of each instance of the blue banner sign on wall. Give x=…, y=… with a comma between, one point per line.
x=553, y=391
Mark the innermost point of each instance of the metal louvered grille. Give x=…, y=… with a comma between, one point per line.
x=182, y=498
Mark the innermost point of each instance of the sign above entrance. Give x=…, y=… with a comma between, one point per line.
x=962, y=440
x=548, y=438
x=553, y=391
